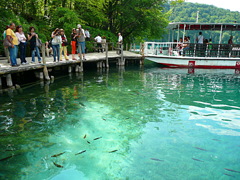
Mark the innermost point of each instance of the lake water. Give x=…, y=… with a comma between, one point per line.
x=133, y=124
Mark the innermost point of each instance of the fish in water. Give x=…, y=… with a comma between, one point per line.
x=228, y=175
x=81, y=152
x=97, y=138
x=155, y=159
x=104, y=119
x=197, y=160
x=3, y=159
x=113, y=151
x=81, y=104
x=88, y=142
x=226, y=120
x=56, y=155
x=9, y=150
x=58, y=165
x=85, y=136
x=200, y=148
x=232, y=170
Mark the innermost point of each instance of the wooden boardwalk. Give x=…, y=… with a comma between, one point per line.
x=5, y=67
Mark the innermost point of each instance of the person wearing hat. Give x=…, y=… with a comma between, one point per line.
x=63, y=45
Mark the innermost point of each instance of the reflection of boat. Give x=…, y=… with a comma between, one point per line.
x=218, y=56
x=206, y=86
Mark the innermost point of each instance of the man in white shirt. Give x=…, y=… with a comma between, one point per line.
x=87, y=34
x=98, y=39
x=120, y=38
x=120, y=41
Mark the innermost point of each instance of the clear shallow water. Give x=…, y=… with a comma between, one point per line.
x=164, y=124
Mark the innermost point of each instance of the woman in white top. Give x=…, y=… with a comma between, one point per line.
x=22, y=43
x=56, y=42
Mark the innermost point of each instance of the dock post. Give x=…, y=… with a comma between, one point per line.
x=69, y=69
x=45, y=71
x=142, y=52
x=77, y=68
x=80, y=68
x=0, y=82
x=122, y=59
x=41, y=76
x=107, y=65
x=9, y=80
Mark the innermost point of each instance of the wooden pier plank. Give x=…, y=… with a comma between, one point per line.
x=5, y=67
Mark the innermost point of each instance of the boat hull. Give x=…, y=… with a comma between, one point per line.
x=196, y=62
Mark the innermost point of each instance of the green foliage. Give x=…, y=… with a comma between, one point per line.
x=187, y=12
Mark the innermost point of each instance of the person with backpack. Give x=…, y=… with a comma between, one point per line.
x=63, y=46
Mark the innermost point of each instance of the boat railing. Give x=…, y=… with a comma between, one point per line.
x=191, y=49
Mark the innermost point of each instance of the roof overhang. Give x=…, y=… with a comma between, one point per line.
x=205, y=26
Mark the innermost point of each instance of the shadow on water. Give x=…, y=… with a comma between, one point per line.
x=117, y=122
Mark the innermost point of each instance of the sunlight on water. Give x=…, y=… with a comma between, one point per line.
x=123, y=124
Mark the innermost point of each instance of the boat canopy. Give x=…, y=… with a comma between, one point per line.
x=205, y=26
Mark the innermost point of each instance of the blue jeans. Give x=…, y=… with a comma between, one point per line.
x=34, y=53
x=81, y=47
x=13, y=55
x=22, y=48
x=184, y=49
x=56, y=52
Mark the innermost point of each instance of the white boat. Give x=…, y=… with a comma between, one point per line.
x=214, y=56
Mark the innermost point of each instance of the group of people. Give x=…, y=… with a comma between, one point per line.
x=57, y=45
x=18, y=41
x=183, y=44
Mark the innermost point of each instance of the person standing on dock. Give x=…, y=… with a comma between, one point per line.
x=12, y=38
x=120, y=41
x=73, y=43
x=22, y=44
x=81, y=42
x=87, y=34
x=104, y=41
x=48, y=48
x=56, y=41
x=98, y=39
x=6, y=48
x=32, y=38
x=63, y=46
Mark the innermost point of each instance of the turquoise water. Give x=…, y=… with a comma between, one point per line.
x=147, y=123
